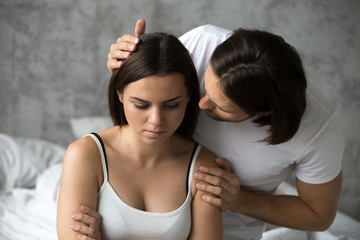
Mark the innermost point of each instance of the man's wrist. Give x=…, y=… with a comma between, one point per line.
x=237, y=205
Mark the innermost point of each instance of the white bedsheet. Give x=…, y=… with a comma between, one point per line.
x=30, y=214
x=343, y=228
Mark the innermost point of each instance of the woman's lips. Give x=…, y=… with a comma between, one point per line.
x=154, y=133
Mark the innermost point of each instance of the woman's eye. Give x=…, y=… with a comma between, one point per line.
x=171, y=106
x=141, y=106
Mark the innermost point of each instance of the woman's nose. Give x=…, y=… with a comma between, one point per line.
x=155, y=117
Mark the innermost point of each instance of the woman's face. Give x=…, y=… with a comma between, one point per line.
x=155, y=106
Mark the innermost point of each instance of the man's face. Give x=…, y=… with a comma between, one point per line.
x=216, y=104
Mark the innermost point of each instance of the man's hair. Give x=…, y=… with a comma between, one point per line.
x=157, y=54
x=260, y=72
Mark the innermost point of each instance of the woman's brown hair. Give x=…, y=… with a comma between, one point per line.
x=157, y=54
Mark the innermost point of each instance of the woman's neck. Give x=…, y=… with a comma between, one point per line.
x=143, y=153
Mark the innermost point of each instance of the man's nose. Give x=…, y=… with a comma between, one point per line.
x=205, y=102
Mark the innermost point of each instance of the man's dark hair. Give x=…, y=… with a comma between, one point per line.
x=260, y=72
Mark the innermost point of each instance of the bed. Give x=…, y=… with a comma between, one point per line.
x=30, y=172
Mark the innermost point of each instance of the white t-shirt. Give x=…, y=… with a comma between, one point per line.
x=314, y=153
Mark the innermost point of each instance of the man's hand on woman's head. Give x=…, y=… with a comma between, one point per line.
x=90, y=227
x=222, y=185
x=124, y=46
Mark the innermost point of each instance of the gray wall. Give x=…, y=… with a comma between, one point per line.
x=53, y=57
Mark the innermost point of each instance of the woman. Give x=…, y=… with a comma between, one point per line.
x=122, y=171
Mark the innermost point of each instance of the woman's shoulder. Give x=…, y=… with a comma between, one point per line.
x=82, y=152
x=206, y=157
x=84, y=145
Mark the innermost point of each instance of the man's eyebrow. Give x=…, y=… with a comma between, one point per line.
x=216, y=104
x=166, y=101
x=220, y=107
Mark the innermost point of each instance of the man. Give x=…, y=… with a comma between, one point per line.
x=268, y=121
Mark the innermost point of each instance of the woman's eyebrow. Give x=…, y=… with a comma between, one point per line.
x=166, y=101
x=139, y=99
x=172, y=99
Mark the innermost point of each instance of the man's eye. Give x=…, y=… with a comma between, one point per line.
x=141, y=106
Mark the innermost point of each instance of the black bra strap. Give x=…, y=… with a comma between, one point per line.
x=103, y=148
x=188, y=171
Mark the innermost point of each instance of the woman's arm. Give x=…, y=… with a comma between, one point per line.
x=79, y=185
x=206, y=218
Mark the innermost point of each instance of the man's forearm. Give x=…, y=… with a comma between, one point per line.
x=282, y=210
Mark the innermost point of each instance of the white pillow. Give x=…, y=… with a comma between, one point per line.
x=22, y=160
x=84, y=125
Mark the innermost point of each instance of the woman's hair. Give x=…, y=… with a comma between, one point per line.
x=157, y=54
x=260, y=72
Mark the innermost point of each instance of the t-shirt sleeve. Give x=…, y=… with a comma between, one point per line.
x=322, y=160
x=201, y=43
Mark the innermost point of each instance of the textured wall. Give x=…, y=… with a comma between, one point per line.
x=53, y=57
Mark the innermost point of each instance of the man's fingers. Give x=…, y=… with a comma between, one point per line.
x=89, y=211
x=128, y=38
x=215, y=171
x=223, y=163
x=117, y=54
x=217, y=191
x=212, y=200
x=140, y=27
x=114, y=65
x=87, y=219
x=83, y=237
x=123, y=46
x=213, y=180
x=82, y=229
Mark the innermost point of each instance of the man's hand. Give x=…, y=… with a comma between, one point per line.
x=124, y=46
x=221, y=183
x=91, y=219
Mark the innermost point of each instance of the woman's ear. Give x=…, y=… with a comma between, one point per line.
x=120, y=96
x=264, y=114
x=189, y=96
x=267, y=113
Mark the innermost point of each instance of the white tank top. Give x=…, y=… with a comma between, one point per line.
x=121, y=221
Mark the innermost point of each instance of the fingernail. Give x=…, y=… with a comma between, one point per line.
x=202, y=168
x=75, y=216
x=199, y=185
x=84, y=208
x=132, y=47
x=196, y=174
x=80, y=237
x=73, y=227
x=137, y=40
x=204, y=197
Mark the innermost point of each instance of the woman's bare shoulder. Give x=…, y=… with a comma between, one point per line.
x=206, y=157
x=84, y=153
x=84, y=146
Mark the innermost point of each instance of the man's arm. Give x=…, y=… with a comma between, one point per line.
x=313, y=210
